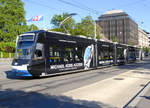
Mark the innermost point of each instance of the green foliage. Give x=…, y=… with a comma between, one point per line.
x=8, y=47
x=115, y=39
x=57, y=19
x=7, y=55
x=32, y=27
x=129, y=43
x=85, y=27
x=12, y=21
x=146, y=49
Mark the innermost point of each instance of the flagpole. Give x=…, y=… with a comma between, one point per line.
x=44, y=23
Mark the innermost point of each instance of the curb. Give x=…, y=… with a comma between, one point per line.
x=6, y=59
x=136, y=99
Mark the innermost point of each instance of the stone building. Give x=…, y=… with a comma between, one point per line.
x=143, y=38
x=118, y=26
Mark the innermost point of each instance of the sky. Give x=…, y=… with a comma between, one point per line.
x=138, y=10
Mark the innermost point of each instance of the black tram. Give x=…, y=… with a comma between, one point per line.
x=131, y=54
x=40, y=53
x=105, y=53
x=121, y=54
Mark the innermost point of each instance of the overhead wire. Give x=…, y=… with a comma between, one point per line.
x=44, y=5
x=83, y=7
x=131, y=3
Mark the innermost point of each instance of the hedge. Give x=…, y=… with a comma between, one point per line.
x=7, y=47
x=6, y=55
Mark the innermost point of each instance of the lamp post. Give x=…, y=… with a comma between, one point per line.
x=62, y=22
x=95, y=44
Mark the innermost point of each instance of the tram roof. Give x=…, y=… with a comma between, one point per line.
x=69, y=36
x=63, y=37
x=59, y=33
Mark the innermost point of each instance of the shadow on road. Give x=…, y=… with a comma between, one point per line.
x=146, y=97
x=20, y=99
x=136, y=65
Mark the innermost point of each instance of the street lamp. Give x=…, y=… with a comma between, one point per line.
x=95, y=43
x=62, y=22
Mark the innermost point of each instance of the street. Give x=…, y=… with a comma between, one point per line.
x=116, y=86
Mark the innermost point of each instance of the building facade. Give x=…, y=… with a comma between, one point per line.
x=143, y=38
x=148, y=38
x=118, y=26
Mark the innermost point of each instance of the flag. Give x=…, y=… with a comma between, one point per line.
x=38, y=18
x=30, y=19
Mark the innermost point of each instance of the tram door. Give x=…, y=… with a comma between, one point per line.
x=120, y=54
x=38, y=61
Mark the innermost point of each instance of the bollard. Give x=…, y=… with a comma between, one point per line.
x=1, y=55
x=9, y=55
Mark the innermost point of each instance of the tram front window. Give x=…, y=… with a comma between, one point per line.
x=24, y=50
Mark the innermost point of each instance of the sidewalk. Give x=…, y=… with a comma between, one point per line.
x=116, y=91
x=142, y=99
x=6, y=59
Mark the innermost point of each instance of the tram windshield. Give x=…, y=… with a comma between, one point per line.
x=24, y=47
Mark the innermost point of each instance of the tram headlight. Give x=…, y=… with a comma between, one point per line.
x=15, y=63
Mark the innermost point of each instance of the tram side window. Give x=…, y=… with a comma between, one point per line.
x=79, y=54
x=120, y=54
x=111, y=53
x=38, y=51
x=68, y=55
x=137, y=54
x=100, y=52
x=103, y=53
x=55, y=54
x=106, y=54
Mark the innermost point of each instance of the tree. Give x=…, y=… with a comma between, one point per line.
x=85, y=27
x=32, y=27
x=12, y=21
x=129, y=42
x=57, y=19
x=115, y=39
x=146, y=49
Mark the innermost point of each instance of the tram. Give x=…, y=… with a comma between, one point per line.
x=41, y=53
x=105, y=53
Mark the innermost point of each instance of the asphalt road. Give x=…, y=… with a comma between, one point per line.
x=46, y=92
